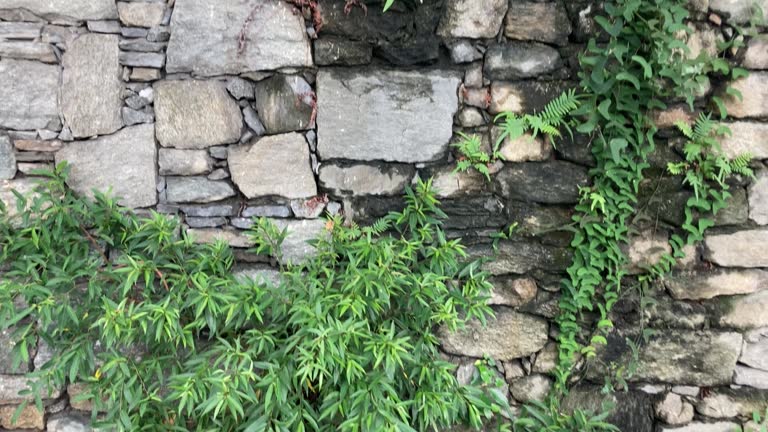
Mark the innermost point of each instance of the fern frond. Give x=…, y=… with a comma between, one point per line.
x=556, y=110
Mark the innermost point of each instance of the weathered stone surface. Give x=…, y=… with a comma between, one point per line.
x=34, y=94
x=511, y=335
x=516, y=60
x=703, y=427
x=24, y=186
x=140, y=14
x=362, y=179
x=68, y=423
x=667, y=313
x=196, y=114
x=234, y=238
x=240, y=88
x=338, y=51
x=737, y=11
x=739, y=249
x=512, y=291
x=205, y=39
x=523, y=96
x=727, y=403
x=197, y=190
x=543, y=22
x=7, y=342
x=553, y=182
x=194, y=222
x=679, y=357
x=449, y=184
x=751, y=377
x=464, y=51
x=546, y=359
x=751, y=137
x=523, y=149
x=11, y=385
x=645, y=250
x=631, y=411
x=142, y=45
x=144, y=74
x=142, y=59
x=743, y=312
x=520, y=257
x=295, y=247
x=531, y=388
x=91, y=90
x=378, y=100
x=184, y=162
x=758, y=199
x=75, y=9
x=20, y=30
x=470, y=117
x=754, y=90
x=674, y=410
x=211, y=210
x=284, y=103
x=7, y=159
x=274, y=165
x=698, y=285
x=124, y=162
x=756, y=55
x=474, y=19
x=26, y=50
x=754, y=353
x=30, y=418
x=133, y=117
x=104, y=26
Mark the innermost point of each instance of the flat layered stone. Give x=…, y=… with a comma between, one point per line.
x=197, y=190
x=721, y=426
x=378, y=100
x=756, y=55
x=68, y=423
x=196, y=114
x=523, y=96
x=542, y=22
x=75, y=9
x=754, y=91
x=142, y=59
x=204, y=39
x=449, y=184
x=755, y=350
x=285, y=103
x=645, y=250
x=29, y=418
x=512, y=291
x=20, y=30
x=184, y=162
x=91, y=90
x=525, y=148
x=234, y=238
x=34, y=94
x=727, y=403
x=25, y=50
x=743, y=312
x=274, y=165
x=7, y=159
x=344, y=52
x=521, y=257
x=751, y=377
x=746, y=137
x=698, y=285
x=141, y=14
x=509, y=336
x=362, y=179
x=737, y=11
x=474, y=19
x=11, y=385
x=705, y=358
x=739, y=249
x=555, y=182
x=123, y=162
x=516, y=60
x=758, y=199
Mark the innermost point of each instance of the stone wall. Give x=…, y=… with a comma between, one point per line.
x=220, y=111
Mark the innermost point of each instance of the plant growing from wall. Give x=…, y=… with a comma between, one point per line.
x=166, y=338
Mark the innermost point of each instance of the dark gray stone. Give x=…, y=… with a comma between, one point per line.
x=132, y=117
x=377, y=100
x=516, y=60
x=285, y=103
x=205, y=40
x=520, y=257
x=197, y=190
x=159, y=34
x=196, y=222
x=338, y=51
x=553, y=182
x=252, y=120
x=134, y=32
x=240, y=88
x=141, y=45
x=276, y=211
x=123, y=161
x=631, y=411
x=210, y=210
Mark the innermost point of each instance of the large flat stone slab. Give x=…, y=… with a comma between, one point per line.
x=76, y=9
x=472, y=18
x=380, y=115
x=702, y=358
x=195, y=114
x=754, y=91
x=739, y=249
x=31, y=102
x=276, y=165
x=205, y=37
x=698, y=285
x=7, y=159
x=91, y=90
x=746, y=137
x=124, y=161
x=362, y=179
x=509, y=336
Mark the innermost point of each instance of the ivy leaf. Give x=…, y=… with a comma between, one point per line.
x=617, y=145
x=626, y=76
x=647, y=69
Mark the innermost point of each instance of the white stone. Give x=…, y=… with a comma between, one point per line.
x=754, y=91
x=673, y=410
x=739, y=249
x=361, y=179
x=758, y=199
x=75, y=9
x=703, y=427
x=472, y=18
x=509, y=336
x=751, y=377
x=746, y=137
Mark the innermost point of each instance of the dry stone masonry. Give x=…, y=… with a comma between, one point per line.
x=217, y=112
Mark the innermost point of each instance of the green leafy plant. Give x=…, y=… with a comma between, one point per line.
x=549, y=417
x=473, y=156
x=165, y=337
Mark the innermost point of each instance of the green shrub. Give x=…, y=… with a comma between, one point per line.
x=166, y=338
